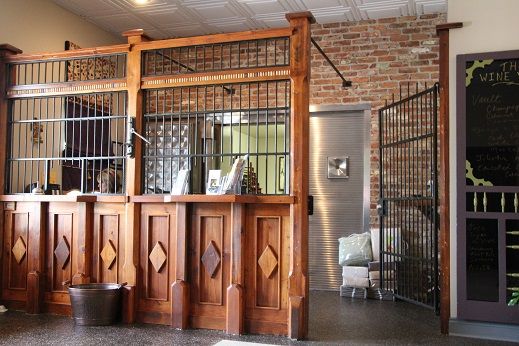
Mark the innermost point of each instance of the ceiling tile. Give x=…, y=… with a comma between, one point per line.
x=90, y=8
x=257, y=7
x=431, y=6
x=312, y=4
x=333, y=15
x=169, y=18
x=276, y=20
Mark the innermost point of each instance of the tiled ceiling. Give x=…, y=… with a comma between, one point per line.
x=181, y=18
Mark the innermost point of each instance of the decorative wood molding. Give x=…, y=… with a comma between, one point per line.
x=220, y=77
x=216, y=38
x=62, y=252
x=158, y=257
x=211, y=259
x=65, y=89
x=69, y=54
x=19, y=250
x=108, y=254
x=212, y=295
x=268, y=261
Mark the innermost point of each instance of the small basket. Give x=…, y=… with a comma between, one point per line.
x=95, y=304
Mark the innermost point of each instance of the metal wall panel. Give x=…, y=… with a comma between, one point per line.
x=341, y=206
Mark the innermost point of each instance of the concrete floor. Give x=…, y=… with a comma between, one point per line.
x=333, y=321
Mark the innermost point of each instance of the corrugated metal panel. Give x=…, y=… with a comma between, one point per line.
x=338, y=203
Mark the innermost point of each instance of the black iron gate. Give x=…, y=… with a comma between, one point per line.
x=408, y=198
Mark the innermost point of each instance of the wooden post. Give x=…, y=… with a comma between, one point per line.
x=443, y=32
x=5, y=51
x=84, y=243
x=235, y=293
x=36, y=257
x=133, y=164
x=299, y=166
x=133, y=172
x=180, y=287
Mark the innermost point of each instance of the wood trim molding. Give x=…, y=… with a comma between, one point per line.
x=219, y=77
x=216, y=38
x=76, y=53
x=444, y=237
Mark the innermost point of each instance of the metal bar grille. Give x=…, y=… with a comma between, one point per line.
x=91, y=68
x=67, y=143
x=408, y=197
x=217, y=57
x=201, y=128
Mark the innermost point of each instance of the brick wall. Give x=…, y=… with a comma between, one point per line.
x=378, y=56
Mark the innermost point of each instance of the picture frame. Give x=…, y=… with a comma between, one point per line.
x=213, y=184
x=281, y=173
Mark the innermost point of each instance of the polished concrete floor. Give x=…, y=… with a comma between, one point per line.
x=333, y=321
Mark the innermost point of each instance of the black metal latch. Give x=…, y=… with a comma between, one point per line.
x=310, y=205
x=382, y=207
x=130, y=140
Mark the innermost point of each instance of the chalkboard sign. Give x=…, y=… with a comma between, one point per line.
x=492, y=122
x=482, y=260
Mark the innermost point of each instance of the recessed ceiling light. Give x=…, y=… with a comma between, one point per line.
x=141, y=2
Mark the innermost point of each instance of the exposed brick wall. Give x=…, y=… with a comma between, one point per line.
x=378, y=56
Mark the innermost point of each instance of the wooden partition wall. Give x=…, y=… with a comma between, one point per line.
x=231, y=262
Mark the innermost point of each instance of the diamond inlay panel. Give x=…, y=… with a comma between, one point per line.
x=211, y=259
x=62, y=252
x=19, y=250
x=158, y=257
x=268, y=261
x=108, y=254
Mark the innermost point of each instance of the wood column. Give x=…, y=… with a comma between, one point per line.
x=36, y=257
x=133, y=174
x=133, y=164
x=180, y=287
x=6, y=51
x=444, y=240
x=299, y=165
x=235, y=292
x=83, y=243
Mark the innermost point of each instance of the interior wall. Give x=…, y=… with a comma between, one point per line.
x=379, y=57
x=486, y=27
x=42, y=26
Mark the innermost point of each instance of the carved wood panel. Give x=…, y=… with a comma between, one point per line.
x=210, y=255
x=17, y=227
x=209, y=260
x=267, y=250
x=267, y=242
x=108, y=247
x=157, y=261
x=61, y=253
x=60, y=249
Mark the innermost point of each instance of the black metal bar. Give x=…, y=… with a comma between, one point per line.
x=345, y=83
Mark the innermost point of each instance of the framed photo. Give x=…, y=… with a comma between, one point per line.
x=213, y=182
x=281, y=173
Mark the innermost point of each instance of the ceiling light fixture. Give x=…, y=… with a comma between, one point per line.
x=141, y=2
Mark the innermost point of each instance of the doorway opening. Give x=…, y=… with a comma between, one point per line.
x=406, y=186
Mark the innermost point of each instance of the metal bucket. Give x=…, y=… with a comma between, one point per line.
x=95, y=304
